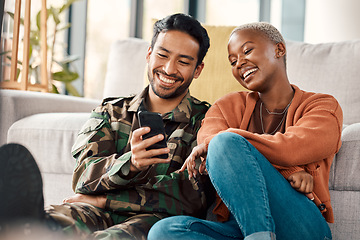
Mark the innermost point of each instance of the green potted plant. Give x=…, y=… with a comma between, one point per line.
x=59, y=67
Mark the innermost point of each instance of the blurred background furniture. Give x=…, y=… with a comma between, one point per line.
x=38, y=121
x=24, y=83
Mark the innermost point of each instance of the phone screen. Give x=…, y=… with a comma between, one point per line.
x=156, y=124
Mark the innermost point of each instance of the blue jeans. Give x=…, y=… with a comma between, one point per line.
x=261, y=201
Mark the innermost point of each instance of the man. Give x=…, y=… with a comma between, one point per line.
x=122, y=188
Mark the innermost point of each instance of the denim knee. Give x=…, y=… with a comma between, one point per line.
x=189, y=228
x=158, y=230
x=167, y=228
x=222, y=144
x=222, y=141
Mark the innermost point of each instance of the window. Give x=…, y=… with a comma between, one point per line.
x=157, y=9
x=231, y=12
x=107, y=21
x=110, y=20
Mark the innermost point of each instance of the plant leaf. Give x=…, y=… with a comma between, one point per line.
x=54, y=89
x=67, y=5
x=68, y=25
x=12, y=16
x=65, y=76
x=18, y=73
x=18, y=61
x=55, y=14
x=71, y=89
x=3, y=53
x=67, y=60
x=38, y=18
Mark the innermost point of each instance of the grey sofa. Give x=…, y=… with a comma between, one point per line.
x=47, y=124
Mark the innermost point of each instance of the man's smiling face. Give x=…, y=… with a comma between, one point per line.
x=172, y=64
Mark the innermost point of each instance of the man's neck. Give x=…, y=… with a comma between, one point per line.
x=161, y=105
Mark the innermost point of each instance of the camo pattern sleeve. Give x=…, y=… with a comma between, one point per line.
x=101, y=145
x=102, y=152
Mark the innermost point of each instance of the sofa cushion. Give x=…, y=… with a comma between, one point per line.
x=344, y=175
x=56, y=187
x=49, y=137
x=125, y=69
x=19, y=104
x=328, y=68
x=346, y=209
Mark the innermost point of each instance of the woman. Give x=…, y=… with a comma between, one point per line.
x=268, y=151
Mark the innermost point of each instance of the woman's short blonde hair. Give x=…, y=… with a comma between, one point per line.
x=269, y=31
x=266, y=28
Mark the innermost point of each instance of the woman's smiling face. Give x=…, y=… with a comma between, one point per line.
x=253, y=58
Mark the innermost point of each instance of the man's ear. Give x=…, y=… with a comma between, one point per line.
x=149, y=51
x=198, y=70
x=280, y=50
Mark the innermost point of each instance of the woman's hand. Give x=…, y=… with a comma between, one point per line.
x=200, y=151
x=302, y=182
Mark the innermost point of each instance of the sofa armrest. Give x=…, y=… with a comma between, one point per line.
x=344, y=185
x=15, y=105
x=344, y=174
x=49, y=138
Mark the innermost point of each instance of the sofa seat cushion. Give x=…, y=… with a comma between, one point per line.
x=49, y=137
x=56, y=187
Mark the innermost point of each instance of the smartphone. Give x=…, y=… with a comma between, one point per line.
x=156, y=124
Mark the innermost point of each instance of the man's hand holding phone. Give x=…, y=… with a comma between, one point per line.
x=148, y=143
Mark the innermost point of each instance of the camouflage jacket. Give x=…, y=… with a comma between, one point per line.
x=102, y=153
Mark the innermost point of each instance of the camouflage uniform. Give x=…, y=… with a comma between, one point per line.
x=102, y=152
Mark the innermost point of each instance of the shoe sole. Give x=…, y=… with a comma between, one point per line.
x=20, y=185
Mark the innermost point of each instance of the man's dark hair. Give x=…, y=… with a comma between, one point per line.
x=187, y=24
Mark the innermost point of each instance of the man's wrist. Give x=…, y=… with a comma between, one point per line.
x=128, y=170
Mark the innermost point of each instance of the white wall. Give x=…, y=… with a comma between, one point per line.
x=332, y=20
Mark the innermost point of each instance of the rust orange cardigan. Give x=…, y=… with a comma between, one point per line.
x=312, y=137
